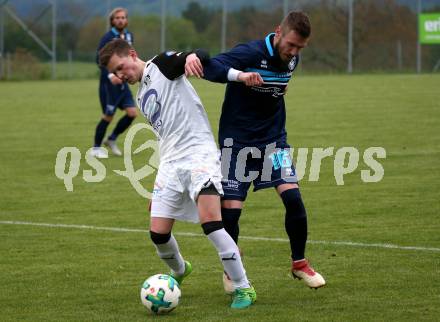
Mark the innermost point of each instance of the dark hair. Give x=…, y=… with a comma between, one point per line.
x=297, y=21
x=115, y=47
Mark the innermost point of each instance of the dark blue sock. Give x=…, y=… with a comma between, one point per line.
x=100, y=132
x=122, y=125
x=230, y=218
x=295, y=222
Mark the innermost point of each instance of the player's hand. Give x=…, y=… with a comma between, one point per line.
x=116, y=80
x=250, y=79
x=193, y=66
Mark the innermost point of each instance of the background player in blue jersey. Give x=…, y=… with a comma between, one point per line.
x=113, y=92
x=253, y=122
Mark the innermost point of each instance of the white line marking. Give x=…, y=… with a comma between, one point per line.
x=132, y=230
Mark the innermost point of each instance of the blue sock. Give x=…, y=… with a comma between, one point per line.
x=100, y=132
x=230, y=217
x=295, y=222
x=122, y=125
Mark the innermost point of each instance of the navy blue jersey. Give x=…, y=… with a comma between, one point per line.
x=252, y=116
x=109, y=36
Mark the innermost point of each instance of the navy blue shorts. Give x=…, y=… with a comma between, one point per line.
x=255, y=165
x=113, y=97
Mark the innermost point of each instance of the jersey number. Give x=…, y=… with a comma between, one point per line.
x=281, y=159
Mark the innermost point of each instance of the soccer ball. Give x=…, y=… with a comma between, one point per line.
x=160, y=293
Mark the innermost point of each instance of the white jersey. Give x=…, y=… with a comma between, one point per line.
x=172, y=107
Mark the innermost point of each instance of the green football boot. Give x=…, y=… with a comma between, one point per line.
x=180, y=278
x=243, y=298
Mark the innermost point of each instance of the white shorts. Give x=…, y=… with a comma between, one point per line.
x=179, y=182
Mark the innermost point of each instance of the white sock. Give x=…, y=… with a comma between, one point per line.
x=170, y=254
x=230, y=257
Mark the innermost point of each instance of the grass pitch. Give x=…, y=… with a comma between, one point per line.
x=78, y=274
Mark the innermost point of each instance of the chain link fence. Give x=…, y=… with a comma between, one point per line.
x=382, y=36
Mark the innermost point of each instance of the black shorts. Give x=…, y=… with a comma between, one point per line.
x=264, y=167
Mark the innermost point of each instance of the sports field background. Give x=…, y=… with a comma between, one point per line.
x=80, y=274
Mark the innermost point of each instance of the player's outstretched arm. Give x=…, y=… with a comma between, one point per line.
x=193, y=66
x=217, y=68
x=250, y=78
x=174, y=64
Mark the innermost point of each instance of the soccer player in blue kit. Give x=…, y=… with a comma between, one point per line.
x=253, y=121
x=113, y=92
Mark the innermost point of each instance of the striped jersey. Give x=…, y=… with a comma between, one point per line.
x=252, y=116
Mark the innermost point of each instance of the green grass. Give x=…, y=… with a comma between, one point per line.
x=74, y=70
x=67, y=274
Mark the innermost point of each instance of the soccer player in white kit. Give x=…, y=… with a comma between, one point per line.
x=188, y=182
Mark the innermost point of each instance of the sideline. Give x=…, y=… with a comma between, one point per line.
x=132, y=230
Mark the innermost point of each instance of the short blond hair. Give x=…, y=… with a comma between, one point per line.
x=112, y=14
